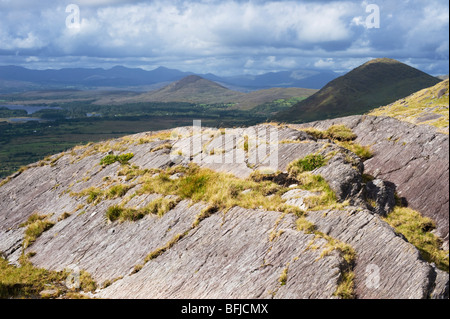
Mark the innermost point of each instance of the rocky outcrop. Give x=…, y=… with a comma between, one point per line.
x=382, y=256
x=240, y=253
x=414, y=158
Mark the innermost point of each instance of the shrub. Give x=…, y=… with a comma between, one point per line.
x=108, y=160
x=124, y=158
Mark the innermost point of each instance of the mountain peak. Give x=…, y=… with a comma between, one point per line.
x=373, y=84
x=194, y=89
x=191, y=79
x=382, y=60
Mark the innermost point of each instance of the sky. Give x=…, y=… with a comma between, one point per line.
x=226, y=38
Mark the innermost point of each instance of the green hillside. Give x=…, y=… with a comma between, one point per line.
x=376, y=83
x=428, y=106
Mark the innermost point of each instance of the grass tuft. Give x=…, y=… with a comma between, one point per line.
x=336, y=132
x=345, y=289
x=344, y=137
x=307, y=164
x=111, y=159
x=363, y=152
x=35, y=226
x=157, y=207
x=340, y=133
x=418, y=231
x=158, y=252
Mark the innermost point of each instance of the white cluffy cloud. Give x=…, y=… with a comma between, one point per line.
x=220, y=36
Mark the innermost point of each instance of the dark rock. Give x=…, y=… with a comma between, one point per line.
x=382, y=195
x=442, y=92
x=428, y=117
x=344, y=180
x=440, y=288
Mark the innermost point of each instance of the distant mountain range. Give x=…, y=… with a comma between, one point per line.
x=373, y=84
x=376, y=83
x=19, y=79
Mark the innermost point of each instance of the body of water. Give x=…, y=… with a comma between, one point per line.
x=29, y=109
x=24, y=119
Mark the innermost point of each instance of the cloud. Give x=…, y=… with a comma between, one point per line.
x=220, y=36
x=324, y=63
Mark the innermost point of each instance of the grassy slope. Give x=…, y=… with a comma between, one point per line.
x=416, y=107
x=376, y=83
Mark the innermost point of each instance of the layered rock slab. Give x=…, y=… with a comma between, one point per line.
x=386, y=266
x=232, y=255
x=414, y=158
